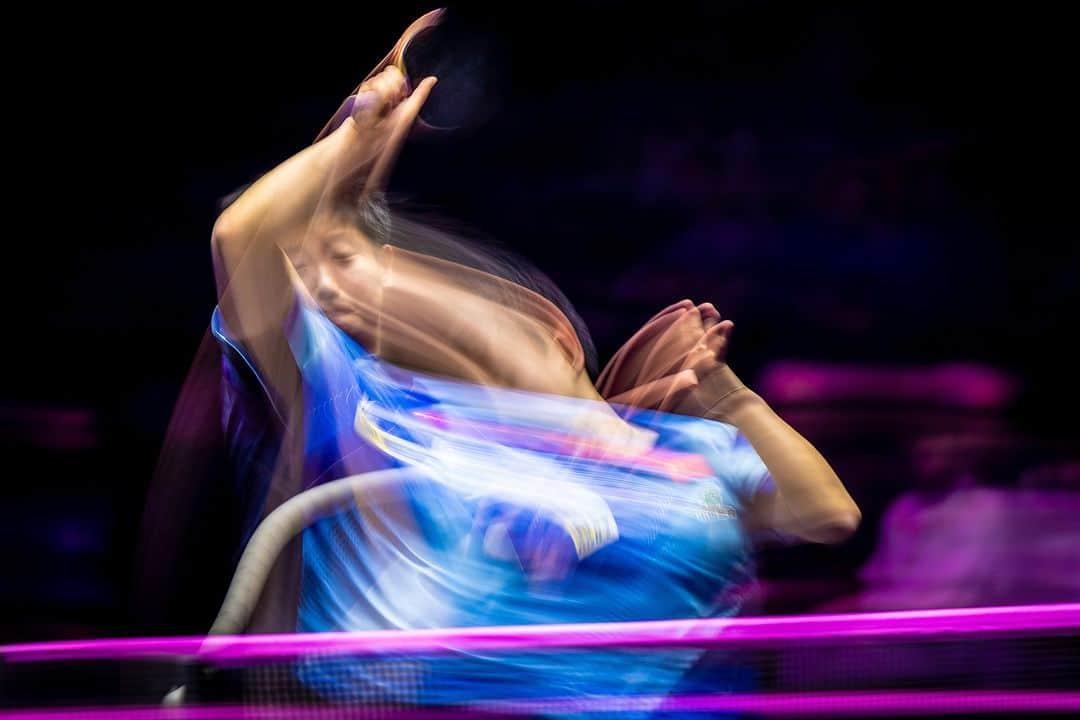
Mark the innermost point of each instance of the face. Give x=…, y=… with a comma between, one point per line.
x=339, y=266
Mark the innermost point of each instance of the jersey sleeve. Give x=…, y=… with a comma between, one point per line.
x=749, y=476
x=731, y=456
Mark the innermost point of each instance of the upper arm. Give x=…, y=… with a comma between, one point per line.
x=256, y=296
x=767, y=510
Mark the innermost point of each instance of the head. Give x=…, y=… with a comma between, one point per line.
x=338, y=262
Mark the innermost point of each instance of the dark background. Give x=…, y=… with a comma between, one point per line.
x=878, y=185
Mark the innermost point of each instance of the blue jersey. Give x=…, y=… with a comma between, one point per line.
x=515, y=520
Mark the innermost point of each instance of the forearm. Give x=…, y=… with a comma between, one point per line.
x=280, y=205
x=810, y=500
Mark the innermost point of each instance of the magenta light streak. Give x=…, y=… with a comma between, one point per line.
x=823, y=704
x=245, y=712
x=720, y=632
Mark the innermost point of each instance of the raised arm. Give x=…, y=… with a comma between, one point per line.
x=305, y=198
x=297, y=232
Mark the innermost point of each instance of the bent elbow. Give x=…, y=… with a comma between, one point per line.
x=837, y=526
x=221, y=233
x=226, y=248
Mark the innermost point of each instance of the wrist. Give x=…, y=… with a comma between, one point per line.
x=735, y=405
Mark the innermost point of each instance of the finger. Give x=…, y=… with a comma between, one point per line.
x=385, y=92
x=715, y=337
x=722, y=329
x=395, y=84
x=711, y=351
x=690, y=325
x=709, y=314
x=375, y=99
x=712, y=343
x=403, y=118
x=723, y=341
x=684, y=304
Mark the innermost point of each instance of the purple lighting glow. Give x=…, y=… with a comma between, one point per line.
x=964, y=385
